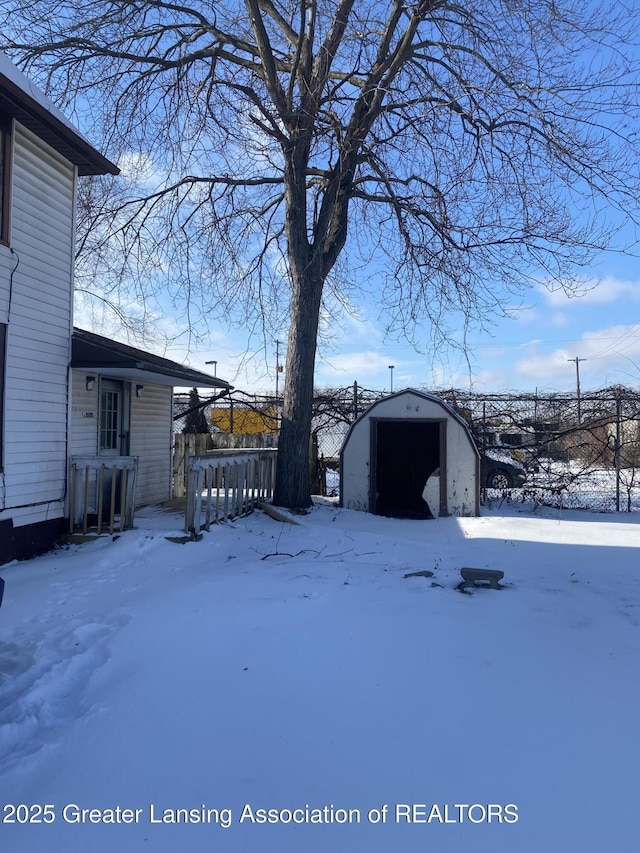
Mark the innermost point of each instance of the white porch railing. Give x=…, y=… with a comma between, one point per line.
x=102, y=493
x=224, y=484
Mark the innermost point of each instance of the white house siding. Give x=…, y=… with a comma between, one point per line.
x=38, y=333
x=461, y=458
x=7, y=263
x=150, y=440
x=83, y=426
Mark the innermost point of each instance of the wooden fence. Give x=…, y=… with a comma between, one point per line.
x=187, y=445
x=102, y=493
x=226, y=484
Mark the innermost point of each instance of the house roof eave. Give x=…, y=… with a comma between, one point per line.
x=104, y=357
x=22, y=100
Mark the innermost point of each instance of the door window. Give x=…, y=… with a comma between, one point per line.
x=110, y=416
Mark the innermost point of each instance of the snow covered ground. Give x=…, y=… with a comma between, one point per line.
x=297, y=668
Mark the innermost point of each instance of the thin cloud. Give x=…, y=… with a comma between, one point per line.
x=594, y=292
x=604, y=348
x=357, y=363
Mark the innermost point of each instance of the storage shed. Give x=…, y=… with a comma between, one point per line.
x=410, y=455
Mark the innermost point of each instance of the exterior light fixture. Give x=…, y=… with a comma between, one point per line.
x=90, y=383
x=139, y=390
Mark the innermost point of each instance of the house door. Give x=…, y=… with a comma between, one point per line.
x=113, y=437
x=113, y=421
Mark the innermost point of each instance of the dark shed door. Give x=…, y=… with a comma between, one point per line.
x=404, y=453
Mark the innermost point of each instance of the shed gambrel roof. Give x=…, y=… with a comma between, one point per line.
x=20, y=99
x=425, y=395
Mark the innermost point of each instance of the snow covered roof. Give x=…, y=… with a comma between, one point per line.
x=22, y=100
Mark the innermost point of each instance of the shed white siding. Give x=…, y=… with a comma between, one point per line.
x=38, y=332
x=461, y=468
x=151, y=438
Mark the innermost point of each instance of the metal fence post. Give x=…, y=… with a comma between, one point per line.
x=617, y=453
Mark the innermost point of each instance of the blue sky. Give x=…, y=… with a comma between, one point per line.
x=532, y=349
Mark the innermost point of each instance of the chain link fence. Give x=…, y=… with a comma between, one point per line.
x=556, y=450
x=577, y=452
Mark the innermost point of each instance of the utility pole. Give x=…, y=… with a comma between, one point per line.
x=391, y=366
x=577, y=361
x=215, y=366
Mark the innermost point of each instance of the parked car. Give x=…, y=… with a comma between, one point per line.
x=499, y=471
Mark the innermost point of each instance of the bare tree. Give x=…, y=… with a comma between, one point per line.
x=460, y=151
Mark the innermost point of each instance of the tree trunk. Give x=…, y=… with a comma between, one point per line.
x=292, y=488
